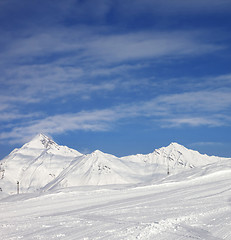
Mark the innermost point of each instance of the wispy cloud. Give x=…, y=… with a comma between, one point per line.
x=9, y=116
x=88, y=45
x=97, y=120
x=213, y=121
x=116, y=70
x=87, y=66
x=206, y=143
x=141, y=45
x=209, y=101
x=41, y=84
x=64, y=61
x=193, y=109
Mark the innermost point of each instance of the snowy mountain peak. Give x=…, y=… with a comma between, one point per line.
x=98, y=157
x=35, y=164
x=43, y=164
x=175, y=145
x=97, y=153
x=41, y=141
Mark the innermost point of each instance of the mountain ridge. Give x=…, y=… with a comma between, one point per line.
x=42, y=164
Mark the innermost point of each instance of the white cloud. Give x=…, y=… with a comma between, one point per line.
x=81, y=45
x=141, y=45
x=80, y=55
x=40, y=83
x=34, y=84
x=9, y=116
x=208, y=101
x=206, y=143
x=97, y=120
x=180, y=121
x=223, y=79
x=175, y=110
x=116, y=70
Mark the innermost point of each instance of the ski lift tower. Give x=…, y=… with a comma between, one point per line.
x=17, y=187
x=2, y=171
x=168, y=172
x=167, y=160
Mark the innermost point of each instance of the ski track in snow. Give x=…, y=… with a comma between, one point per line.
x=182, y=210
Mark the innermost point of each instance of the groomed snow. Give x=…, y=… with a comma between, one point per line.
x=195, y=204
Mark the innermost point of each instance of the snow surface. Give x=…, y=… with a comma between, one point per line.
x=67, y=195
x=195, y=204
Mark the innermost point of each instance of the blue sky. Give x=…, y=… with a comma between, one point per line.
x=122, y=76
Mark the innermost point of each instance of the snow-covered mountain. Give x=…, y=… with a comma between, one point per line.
x=35, y=164
x=171, y=159
x=97, y=168
x=43, y=164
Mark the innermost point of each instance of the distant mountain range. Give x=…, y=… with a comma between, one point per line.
x=42, y=164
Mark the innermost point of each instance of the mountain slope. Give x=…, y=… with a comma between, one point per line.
x=171, y=159
x=42, y=164
x=35, y=164
x=97, y=168
x=183, y=206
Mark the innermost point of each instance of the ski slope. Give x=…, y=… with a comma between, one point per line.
x=67, y=195
x=194, y=204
